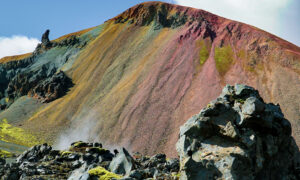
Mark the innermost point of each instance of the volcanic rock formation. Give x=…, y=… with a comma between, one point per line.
x=142, y=74
x=45, y=37
x=87, y=161
x=238, y=136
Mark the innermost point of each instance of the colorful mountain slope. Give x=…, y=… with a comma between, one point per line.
x=138, y=77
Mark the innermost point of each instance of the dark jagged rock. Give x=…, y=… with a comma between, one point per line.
x=123, y=163
x=52, y=88
x=238, y=136
x=44, y=84
x=45, y=37
x=45, y=45
x=70, y=41
x=86, y=161
x=35, y=153
x=145, y=14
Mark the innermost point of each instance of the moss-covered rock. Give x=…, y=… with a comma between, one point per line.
x=97, y=150
x=79, y=144
x=103, y=174
x=65, y=153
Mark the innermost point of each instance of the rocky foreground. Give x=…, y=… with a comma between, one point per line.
x=237, y=136
x=87, y=161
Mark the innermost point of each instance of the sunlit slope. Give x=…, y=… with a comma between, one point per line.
x=155, y=65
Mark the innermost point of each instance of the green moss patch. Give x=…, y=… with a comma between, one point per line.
x=65, y=153
x=241, y=54
x=5, y=154
x=103, y=174
x=224, y=58
x=203, y=52
x=9, y=133
x=176, y=175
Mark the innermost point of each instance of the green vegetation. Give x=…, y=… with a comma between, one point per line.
x=241, y=54
x=103, y=174
x=209, y=105
x=5, y=154
x=203, y=53
x=242, y=101
x=223, y=58
x=9, y=133
x=65, y=153
x=177, y=175
x=79, y=144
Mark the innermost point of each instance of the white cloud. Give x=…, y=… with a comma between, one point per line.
x=264, y=14
x=16, y=45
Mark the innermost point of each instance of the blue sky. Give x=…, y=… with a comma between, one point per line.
x=23, y=22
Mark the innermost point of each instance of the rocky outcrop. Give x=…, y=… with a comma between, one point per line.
x=44, y=85
x=87, y=161
x=238, y=136
x=123, y=163
x=163, y=15
x=45, y=37
x=31, y=76
x=46, y=44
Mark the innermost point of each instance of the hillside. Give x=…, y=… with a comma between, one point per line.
x=135, y=79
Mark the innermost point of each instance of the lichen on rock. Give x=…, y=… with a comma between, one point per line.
x=238, y=136
x=103, y=174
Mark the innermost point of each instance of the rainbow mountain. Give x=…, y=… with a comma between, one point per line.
x=134, y=80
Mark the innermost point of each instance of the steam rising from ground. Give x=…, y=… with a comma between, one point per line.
x=85, y=129
x=81, y=129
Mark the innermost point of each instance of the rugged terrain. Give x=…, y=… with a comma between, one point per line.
x=237, y=136
x=134, y=80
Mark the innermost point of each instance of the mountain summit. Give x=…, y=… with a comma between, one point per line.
x=134, y=80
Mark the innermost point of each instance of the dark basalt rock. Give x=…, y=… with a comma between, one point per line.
x=45, y=37
x=238, y=136
x=45, y=45
x=53, y=87
x=44, y=84
x=42, y=162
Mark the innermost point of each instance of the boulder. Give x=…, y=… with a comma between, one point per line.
x=2, y=161
x=123, y=163
x=238, y=136
x=35, y=153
